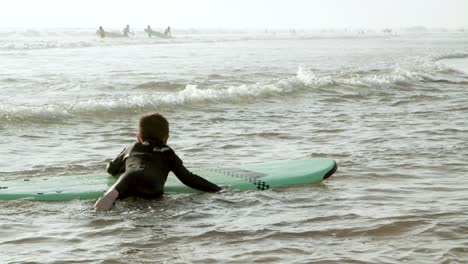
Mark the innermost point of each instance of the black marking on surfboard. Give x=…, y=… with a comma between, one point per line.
x=333, y=170
x=261, y=185
x=3, y=187
x=247, y=175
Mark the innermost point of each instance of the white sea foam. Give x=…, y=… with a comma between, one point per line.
x=308, y=77
x=22, y=115
x=154, y=94
x=193, y=94
x=451, y=55
x=398, y=76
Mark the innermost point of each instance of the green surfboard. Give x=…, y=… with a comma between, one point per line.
x=255, y=176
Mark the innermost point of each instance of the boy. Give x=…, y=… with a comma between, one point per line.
x=145, y=165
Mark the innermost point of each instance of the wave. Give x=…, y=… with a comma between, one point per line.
x=160, y=86
x=33, y=114
x=15, y=42
x=162, y=94
x=45, y=45
x=149, y=96
x=445, y=81
x=405, y=74
x=454, y=63
x=69, y=44
x=454, y=55
x=399, y=76
x=396, y=77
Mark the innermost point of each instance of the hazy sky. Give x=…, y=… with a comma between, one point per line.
x=258, y=14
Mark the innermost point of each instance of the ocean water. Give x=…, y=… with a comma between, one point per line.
x=392, y=110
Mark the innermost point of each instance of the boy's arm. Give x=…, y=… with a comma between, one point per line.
x=191, y=180
x=117, y=165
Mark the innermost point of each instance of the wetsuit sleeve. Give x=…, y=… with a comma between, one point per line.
x=191, y=180
x=117, y=165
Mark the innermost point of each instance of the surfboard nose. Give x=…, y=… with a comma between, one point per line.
x=333, y=170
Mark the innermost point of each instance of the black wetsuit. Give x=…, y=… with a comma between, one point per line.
x=144, y=168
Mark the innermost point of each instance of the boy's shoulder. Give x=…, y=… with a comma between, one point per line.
x=148, y=146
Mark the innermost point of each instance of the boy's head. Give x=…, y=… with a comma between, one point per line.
x=153, y=126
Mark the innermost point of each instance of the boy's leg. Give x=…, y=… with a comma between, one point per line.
x=106, y=202
x=120, y=189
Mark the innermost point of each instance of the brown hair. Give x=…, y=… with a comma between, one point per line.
x=153, y=126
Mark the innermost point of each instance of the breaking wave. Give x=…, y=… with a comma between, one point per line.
x=454, y=55
x=154, y=95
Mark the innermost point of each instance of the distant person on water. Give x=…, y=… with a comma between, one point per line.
x=142, y=168
x=149, y=31
x=126, y=30
x=101, y=32
x=167, y=32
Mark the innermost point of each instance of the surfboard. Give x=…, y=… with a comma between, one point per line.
x=157, y=34
x=112, y=35
x=255, y=176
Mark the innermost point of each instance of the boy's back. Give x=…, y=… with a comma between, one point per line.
x=145, y=165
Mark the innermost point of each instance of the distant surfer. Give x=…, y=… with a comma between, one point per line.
x=126, y=31
x=101, y=32
x=142, y=168
x=149, y=31
x=167, y=32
